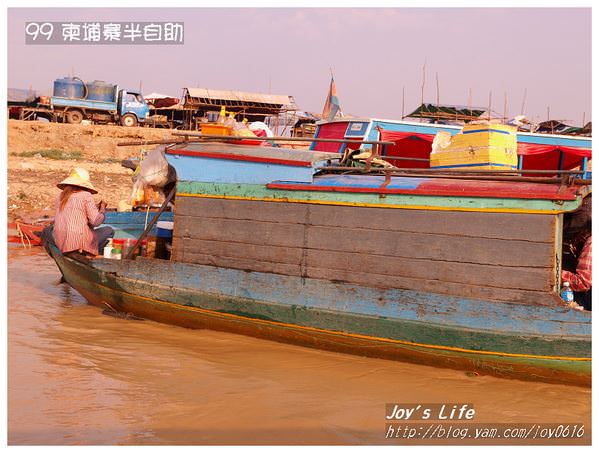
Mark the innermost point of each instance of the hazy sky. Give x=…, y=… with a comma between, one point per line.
x=374, y=54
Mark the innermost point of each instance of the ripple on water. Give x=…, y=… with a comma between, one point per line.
x=79, y=377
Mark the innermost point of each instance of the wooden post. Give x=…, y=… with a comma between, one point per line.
x=561, y=159
x=584, y=167
x=520, y=161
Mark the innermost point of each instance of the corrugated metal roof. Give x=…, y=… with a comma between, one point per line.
x=241, y=96
x=18, y=95
x=159, y=96
x=431, y=109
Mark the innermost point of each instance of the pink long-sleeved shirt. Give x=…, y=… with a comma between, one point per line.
x=73, y=226
x=582, y=279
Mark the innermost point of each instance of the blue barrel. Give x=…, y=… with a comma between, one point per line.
x=101, y=91
x=69, y=87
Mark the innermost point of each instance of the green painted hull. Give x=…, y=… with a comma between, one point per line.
x=111, y=283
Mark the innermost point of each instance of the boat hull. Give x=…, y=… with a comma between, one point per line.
x=195, y=309
x=24, y=233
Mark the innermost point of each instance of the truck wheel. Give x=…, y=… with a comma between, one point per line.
x=74, y=117
x=129, y=120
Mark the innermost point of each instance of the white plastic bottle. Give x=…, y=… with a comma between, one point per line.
x=108, y=249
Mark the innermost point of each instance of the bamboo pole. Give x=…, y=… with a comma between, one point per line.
x=198, y=138
x=466, y=175
x=462, y=172
x=437, y=78
x=277, y=138
x=154, y=142
x=523, y=102
x=152, y=223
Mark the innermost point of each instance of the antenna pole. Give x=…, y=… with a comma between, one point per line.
x=523, y=103
x=470, y=100
x=422, y=88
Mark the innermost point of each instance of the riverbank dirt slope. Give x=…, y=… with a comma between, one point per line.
x=40, y=155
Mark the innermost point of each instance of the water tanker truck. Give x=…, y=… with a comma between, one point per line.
x=75, y=100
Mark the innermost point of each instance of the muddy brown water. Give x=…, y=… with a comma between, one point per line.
x=76, y=376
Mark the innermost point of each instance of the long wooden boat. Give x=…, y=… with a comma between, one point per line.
x=536, y=151
x=447, y=272
x=125, y=224
x=25, y=233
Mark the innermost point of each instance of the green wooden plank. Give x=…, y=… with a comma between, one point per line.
x=260, y=192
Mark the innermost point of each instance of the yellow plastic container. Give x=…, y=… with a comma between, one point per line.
x=479, y=147
x=215, y=129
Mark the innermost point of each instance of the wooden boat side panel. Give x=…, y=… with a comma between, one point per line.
x=311, y=261
x=495, y=225
x=496, y=252
x=445, y=247
x=285, y=239
x=378, y=280
x=458, y=249
x=286, y=323
x=414, y=305
x=537, y=228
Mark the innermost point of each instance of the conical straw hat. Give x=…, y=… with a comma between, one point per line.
x=79, y=177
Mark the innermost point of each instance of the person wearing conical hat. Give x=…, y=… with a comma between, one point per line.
x=77, y=216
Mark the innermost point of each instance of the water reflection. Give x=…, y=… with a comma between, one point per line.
x=79, y=377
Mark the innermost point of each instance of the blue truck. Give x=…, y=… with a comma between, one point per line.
x=75, y=100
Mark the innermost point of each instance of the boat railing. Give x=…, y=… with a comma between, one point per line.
x=563, y=177
x=199, y=137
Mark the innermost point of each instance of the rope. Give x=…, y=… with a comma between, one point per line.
x=23, y=236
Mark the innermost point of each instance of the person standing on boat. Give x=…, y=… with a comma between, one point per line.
x=77, y=216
